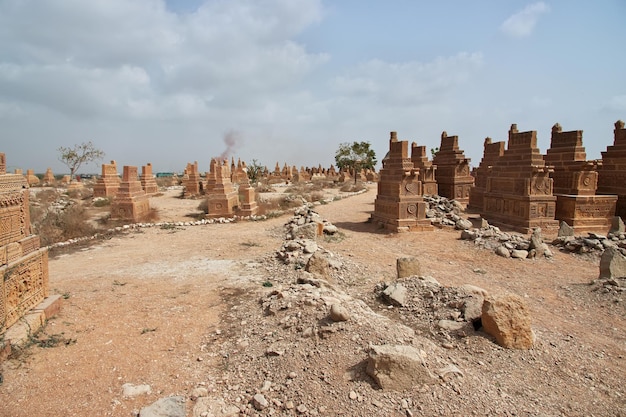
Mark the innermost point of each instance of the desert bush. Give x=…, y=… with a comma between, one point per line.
x=58, y=226
x=165, y=182
x=102, y=201
x=351, y=187
x=152, y=216
x=204, y=206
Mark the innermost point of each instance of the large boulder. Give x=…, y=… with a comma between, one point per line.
x=612, y=264
x=407, y=266
x=507, y=318
x=398, y=367
x=165, y=407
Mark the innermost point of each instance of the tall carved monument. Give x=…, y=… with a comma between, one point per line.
x=427, y=169
x=131, y=201
x=519, y=189
x=575, y=184
x=192, y=183
x=492, y=151
x=108, y=183
x=223, y=198
x=148, y=182
x=23, y=264
x=399, y=205
x=612, y=173
x=453, y=170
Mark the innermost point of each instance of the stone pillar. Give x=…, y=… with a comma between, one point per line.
x=518, y=194
x=399, y=205
x=23, y=264
x=427, y=169
x=192, y=183
x=223, y=198
x=148, y=183
x=48, y=178
x=31, y=177
x=492, y=152
x=612, y=172
x=108, y=183
x=453, y=170
x=131, y=201
x=575, y=184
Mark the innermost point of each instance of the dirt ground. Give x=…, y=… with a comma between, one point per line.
x=181, y=308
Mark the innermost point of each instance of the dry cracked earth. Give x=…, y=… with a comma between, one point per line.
x=209, y=313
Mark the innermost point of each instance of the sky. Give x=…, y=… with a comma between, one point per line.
x=171, y=82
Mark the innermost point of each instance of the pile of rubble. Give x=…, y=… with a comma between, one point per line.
x=301, y=232
x=444, y=212
x=508, y=245
x=593, y=243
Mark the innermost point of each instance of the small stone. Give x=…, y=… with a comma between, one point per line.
x=301, y=409
x=292, y=375
x=199, y=392
x=503, y=251
x=395, y=294
x=519, y=254
x=353, y=395
x=339, y=313
x=289, y=405
x=259, y=402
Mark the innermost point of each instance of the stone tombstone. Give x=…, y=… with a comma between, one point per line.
x=148, y=182
x=223, y=198
x=612, y=172
x=492, y=152
x=453, y=170
x=23, y=264
x=399, y=204
x=192, y=183
x=31, y=177
x=48, y=177
x=518, y=194
x=238, y=174
x=427, y=169
x=109, y=181
x=575, y=184
x=131, y=201
x=247, y=198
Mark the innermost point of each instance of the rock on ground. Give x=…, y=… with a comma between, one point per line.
x=507, y=318
x=165, y=407
x=612, y=264
x=408, y=266
x=397, y=367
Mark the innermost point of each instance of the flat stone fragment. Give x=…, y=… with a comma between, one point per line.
x=165, y=407
x=397, y=367
x=507, y=318
x=612, y=264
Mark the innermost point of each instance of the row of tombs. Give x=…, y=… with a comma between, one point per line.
x=514, y=186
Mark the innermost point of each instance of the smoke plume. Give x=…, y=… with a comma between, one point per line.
x=232, y=140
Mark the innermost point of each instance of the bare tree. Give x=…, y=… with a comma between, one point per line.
x=74, y=157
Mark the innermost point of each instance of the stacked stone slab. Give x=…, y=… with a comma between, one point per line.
x=31, y=177
x=131, y=201
x=147, y=180
x=108, y=183
x=399, y=205
x=427, y=169
x=453, y=170
x=575, y=184
x=48, y=177
x=23, y=264
x=519, y=189
x=239, y=174
x=192, y=183
x=247, y=198
x=492, y=152
x=223, y=198
x=210, y=177
x=612, y=173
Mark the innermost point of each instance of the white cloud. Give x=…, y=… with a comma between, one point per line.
x=522, y=23
x=116, y=58
x=617, y=103
x=408, y=83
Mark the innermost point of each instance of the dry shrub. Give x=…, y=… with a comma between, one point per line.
x=46, y=196
x=165, y=182
x=204, y=206
x=102, y=201
x=73, y=222
x=152, y=216
x=351, y=187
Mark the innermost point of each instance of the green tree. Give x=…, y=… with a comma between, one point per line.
x=433, y=151
x=74, y=157
x=254, y=171
x=355, y=156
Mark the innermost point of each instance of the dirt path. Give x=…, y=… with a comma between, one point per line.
x=147, y=307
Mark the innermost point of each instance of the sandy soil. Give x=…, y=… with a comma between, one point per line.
x=165, y=306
